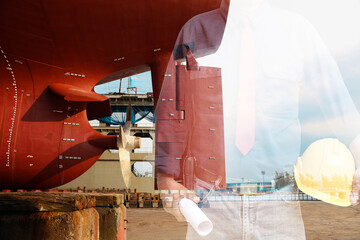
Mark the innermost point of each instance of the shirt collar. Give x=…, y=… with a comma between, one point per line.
x=235, y=18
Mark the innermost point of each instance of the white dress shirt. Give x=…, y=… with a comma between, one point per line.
x=290, y=55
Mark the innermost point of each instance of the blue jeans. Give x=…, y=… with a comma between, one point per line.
x=252, y=217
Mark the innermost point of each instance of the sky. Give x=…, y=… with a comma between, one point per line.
x=338, y=23
x=141, y=81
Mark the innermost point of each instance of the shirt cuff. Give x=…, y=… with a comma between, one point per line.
x=355, y=150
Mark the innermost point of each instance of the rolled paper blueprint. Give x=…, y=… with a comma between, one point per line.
x=197, y=219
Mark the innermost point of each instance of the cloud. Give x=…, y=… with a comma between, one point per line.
x=343, y=127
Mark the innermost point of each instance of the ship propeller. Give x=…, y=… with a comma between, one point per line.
x=126, y=143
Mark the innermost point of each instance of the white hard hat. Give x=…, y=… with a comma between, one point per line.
x=325, y=171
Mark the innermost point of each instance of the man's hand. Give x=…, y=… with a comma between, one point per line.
x=177, y=192
x=355, y=188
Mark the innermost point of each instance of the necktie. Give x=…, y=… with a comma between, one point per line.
x=245, y=122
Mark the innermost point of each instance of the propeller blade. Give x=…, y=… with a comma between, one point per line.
x=125, y=165
x=125, y=144
x=127, y=125
x=122, y=138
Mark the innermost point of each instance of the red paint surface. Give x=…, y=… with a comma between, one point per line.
x=195, y=112
x=77, y=43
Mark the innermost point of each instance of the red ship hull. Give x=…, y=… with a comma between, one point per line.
x=46, y=140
